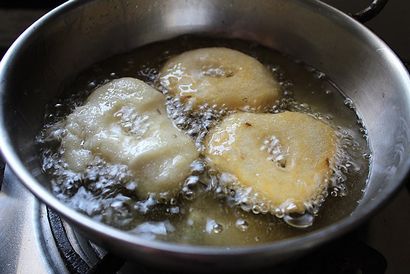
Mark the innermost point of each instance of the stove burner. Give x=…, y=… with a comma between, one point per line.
x=72, y=260
x=2, y=166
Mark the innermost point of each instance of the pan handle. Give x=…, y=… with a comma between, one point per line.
x=370, y=12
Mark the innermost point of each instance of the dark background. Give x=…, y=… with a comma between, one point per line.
x=392, y=24
x=30, y=4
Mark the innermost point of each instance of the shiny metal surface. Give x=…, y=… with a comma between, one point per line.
x=51, y=52
x=25, y=242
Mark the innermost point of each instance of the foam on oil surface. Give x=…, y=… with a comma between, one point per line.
x=107, y=192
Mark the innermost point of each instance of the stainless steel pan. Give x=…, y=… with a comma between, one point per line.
x=79, y=33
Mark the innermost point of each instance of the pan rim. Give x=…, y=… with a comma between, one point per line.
x=108, y=233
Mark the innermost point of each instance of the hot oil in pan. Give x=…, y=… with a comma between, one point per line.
x=201, y=214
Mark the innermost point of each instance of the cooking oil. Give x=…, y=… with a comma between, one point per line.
x=206, y=212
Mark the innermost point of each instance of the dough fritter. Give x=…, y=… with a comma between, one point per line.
x=285, y=158
x=125, y=122
x=219, y=76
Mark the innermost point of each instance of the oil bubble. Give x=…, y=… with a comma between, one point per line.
x=242, y=224
x=213, y=227
x=299, y=221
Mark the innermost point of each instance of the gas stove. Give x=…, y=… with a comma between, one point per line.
x=34, y=239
